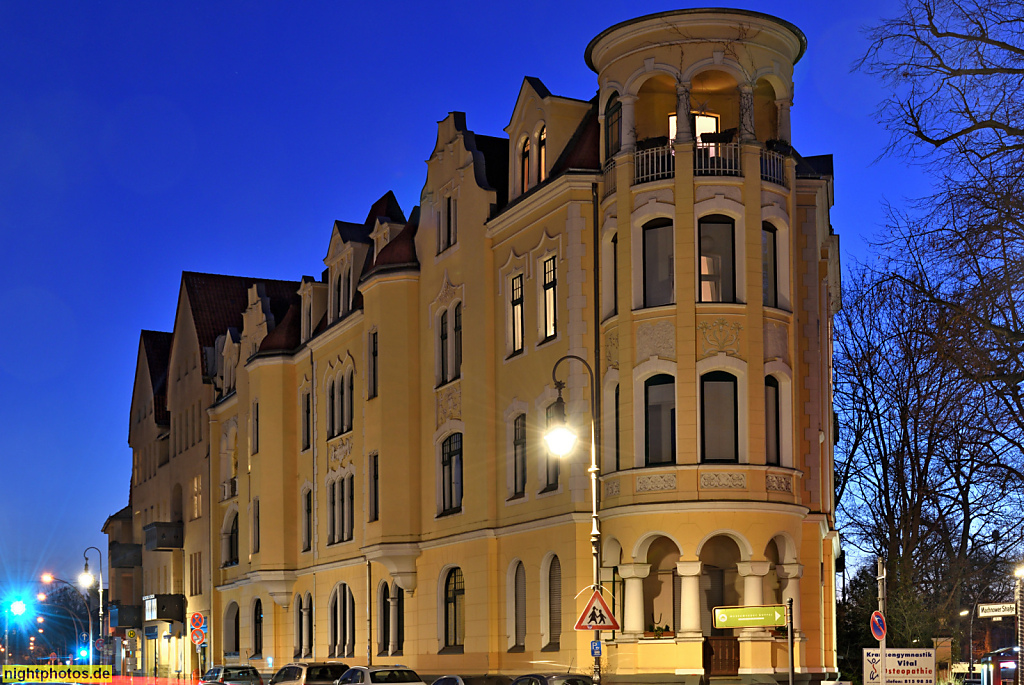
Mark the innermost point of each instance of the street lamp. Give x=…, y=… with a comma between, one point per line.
x=85, y=579
x=49, y=579
x=561, y=440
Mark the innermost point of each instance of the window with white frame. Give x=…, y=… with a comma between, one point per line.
x=524, y=165
x=454, y=610
x=448, y=224
x=769, y=278
x=519, y=608
x=449, y=344
x=307, y=519
x=717, y=259
x=719, y=435
x=554, y=613
x=542, y=154
x=457, y=341
x=384, y=624
x=551, y=465
x=660, y=420
x=451, y=474
x=771, y=420
x=442, y=343
x=550, y=298
x=342, y=622
x=517, y=322
x=307, y=420
x=658, y=248
x=519, y=455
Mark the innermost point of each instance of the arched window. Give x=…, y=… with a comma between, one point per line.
x=342, y=622
x=457, y=341
x=349, y=400
x=717, y=259
x=384, y=612
x=719, y=435
x=297, y=609
x=612, y=126
x=554, y=603
x=771, y=420
x=398, y=602
x=338, y=295
x=330, y=409
x=542, y=154
x=451, y=474
x=257, y=628
x=307, y=520
x=332, y=513
x=307, y=643
x=551, y=464
x=233, y=542
x=442, y=345
x=658, y=260
x=660, y=420
x=769, y=279
x=520, y=606
x=339, y=402
x=524, y=164
x=231, y=629
x=519, y=455
x=346, y=291
x=454, y=609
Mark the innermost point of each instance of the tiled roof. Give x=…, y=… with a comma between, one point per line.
x=538, y=86
x=219, y=301
x=583, y=151
x=386, y=207
x=157, y=345
x=815, y=166
x=287, y=335
x=400, y=252
x=124, y=514
x=495, y=153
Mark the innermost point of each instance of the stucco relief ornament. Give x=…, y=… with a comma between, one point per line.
x=447, y=293
x=655, y=482
x=611, y=344
x=656, y=340
x=339, y=454
x=720, y=336
x=449, y=404
x=778, y=483
x=611, y=488
x=723, y=481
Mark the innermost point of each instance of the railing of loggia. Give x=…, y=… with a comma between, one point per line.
x=717, y=159
x=654, y=164
x=609, y=177
x=773, y=167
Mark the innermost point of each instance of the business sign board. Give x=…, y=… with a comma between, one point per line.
x=902, y=666
x=990, y=610
x=749, y=616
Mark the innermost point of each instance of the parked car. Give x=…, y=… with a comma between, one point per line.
x=309, y=673
x=231, y=675
x=380, y=674
x=553, y=679
x=449, y=680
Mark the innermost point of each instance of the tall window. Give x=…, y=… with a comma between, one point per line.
x=350, y=510
x=769, y=279
x=457, y=342
x=349, y=400
x=197, y=497
x=342, y=622
x=612, y=126
x=518, y=326
x=454, y=609
x=332, y=512
x=542, y=154
x=618, y=428
x=519, y=455
x=519, y=609
x=443, y=345
x=374, y=487
x=255, y=427
x=551, y=460
x=615, y=274
x=550, y=300
x=307, y=420
x=717, y=259
x=451, y=474
x=307, y=520
x=398, y=599
x=307, y=647
x=771, y=419
x=447, y=224
x=339, y=404
x=658, y=259
x=660, y=401
x=346, y=291
x=330, y=410
x=554, y=603
x=524, y=164
x=372, y=390
x=297, y=608
x=338, y=298
x=233, y=542
x=256, y=525
x=719, y=438
x=257, y=629
x=384, y=612
x=234, y=637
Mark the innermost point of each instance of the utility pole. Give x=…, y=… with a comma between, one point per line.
x=881, y=610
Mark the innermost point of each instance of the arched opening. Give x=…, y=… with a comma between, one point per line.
x=454, y=610
x=715, y=106
x=231, y=630
x=257, y=628
x=612, y=126
x=720, y=581
x=656, y=101
x=771, y=592
x=661, y=589
x=766, y=112
x=384, y=611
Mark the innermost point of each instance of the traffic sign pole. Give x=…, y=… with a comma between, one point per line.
x=789, y=638
x=881, y=610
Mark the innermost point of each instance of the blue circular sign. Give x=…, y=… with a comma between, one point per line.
x=877, y=624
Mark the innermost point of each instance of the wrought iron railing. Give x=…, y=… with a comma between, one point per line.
x=609, y=177
x=654, y=164
x=773, y=167
x=717, y=159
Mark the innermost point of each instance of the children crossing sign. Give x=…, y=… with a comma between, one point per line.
x=596, y=615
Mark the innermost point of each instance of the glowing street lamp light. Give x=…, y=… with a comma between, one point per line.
x=41, y=597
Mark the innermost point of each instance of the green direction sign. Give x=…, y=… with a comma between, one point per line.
x=749, y=617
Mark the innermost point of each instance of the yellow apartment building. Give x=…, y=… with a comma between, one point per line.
x=351, y=468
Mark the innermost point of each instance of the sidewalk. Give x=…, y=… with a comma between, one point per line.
x=148, y=680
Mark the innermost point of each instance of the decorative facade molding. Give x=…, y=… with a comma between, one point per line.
x=611, y=488
x=655, y=482
x=720, y=337
x=776, y=482
x=340, y=454
x=776, y=341
x=656, y=340
x=611, y=348
x=723, y=481
x=449, y=403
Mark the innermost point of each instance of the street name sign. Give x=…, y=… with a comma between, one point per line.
x=749, y=617
x=902, y=666
x=596, y=615
x=990, y=610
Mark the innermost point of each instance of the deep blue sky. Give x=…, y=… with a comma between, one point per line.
x=140, y=139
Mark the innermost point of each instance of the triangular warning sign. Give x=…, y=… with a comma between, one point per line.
x=596, y=615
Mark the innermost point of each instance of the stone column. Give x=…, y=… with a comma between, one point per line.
x=689, y=597
x=633, y=619
x=784, y=132
x=393, y=636
x=307, y=639
x=747, y=134
x=683, y=132
x=753, y=573
x=628, y=123
x=791, y=573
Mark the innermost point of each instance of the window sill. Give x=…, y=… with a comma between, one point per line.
x=549, y=488
x=518, y=649
x=516, y=353
x=453, y=649
x=518, y=497
x=545, y=341
x=551, y=647
x=449, y=512
x=442, y=384
x=230, y=564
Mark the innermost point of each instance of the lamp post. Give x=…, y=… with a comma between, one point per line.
x=1019, y=574
x=85, y=579
x=561, y=440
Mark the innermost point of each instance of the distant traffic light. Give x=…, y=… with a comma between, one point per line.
x=83, y=652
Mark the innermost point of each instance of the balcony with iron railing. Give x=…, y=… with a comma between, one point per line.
x=609, y=177
x=773, y=167
x=709, y=159
x=654, y=164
